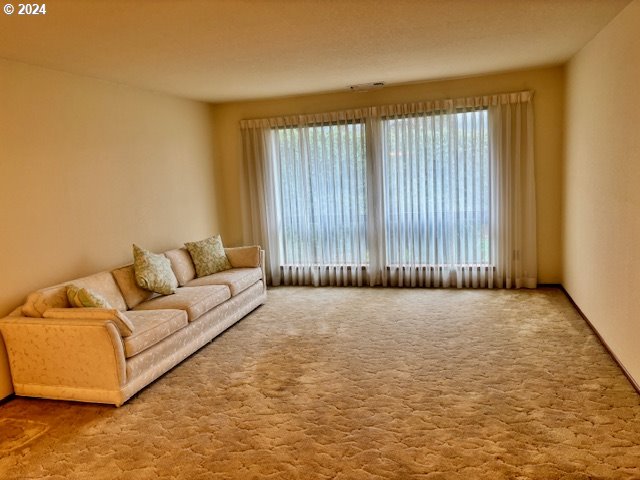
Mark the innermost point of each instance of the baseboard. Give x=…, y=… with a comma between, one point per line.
x=615, y=358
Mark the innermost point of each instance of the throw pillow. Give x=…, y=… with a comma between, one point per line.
x=153, y=272
x=83, y=297
x=208, y=256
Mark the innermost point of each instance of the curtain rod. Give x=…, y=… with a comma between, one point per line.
x=390, y=110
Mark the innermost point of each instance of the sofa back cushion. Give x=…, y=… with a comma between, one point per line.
x=126, y=279
x=243, y=257
x=41, y=300
x=104, y=285
x=181, y=264
x=56, y=297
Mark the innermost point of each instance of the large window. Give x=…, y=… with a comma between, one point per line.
x=320, y=177
x=436, y=189
x=436, y=193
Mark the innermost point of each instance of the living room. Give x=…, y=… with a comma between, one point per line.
x=121, y=123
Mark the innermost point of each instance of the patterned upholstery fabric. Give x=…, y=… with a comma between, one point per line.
x=104, y=285
x=41, y=300
x=243, y=257
x=152, y=326
x=151, y=363
x=181, y=264
x=84, y=298
x=208, y=256
x=16, y=312
x=153, y=271
x=237, y=279
x=68, y=359
x=126, y=279
x=121, y=320
x=79, y=353
x=194, y=300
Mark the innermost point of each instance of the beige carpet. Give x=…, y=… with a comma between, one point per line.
x=362, y=384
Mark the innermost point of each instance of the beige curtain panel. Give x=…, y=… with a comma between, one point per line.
x=431, y=194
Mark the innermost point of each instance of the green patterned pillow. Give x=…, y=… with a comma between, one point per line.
x=84, y=298
x=153, y=271
x=208, y=256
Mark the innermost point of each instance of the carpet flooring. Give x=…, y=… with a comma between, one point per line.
x=343, y=383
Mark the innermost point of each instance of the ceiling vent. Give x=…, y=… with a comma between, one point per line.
x=365, y=87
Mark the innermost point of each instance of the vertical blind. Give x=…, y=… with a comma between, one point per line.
x=426, y=194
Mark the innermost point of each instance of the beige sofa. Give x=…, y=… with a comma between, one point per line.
x=76, y=356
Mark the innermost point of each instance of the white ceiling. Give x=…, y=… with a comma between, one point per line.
x=224, y=50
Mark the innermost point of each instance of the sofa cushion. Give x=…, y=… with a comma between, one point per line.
x=208, y=256
x=150, y=327
x=181, y=264
x=126, y=279
x=237, y=279
x=243, y=257
x=42, y=300
x=194, y=300
x=153, y=271
x=84, y=298
x=16, y=312
x=121, y=320
x=104, y=285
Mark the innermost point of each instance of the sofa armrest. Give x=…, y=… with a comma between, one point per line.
x=120, y=320
x=244, y=257
x=263, y=267
x=58, y=354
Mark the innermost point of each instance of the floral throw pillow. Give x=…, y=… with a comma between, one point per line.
x=208, y=256
x=153, y=272
x=84, y=298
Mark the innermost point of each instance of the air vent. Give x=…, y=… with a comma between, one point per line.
x=365, y=87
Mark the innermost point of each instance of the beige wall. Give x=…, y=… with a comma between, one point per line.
x=88, y=167
x=548, y=84
x=602, y=185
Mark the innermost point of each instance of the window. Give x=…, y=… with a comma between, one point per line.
x=320, y=176
x=436, y=189
x=435, y=193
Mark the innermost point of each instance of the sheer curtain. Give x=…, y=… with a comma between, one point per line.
x=308, y=197
x=514, y=201
x=434, y=194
